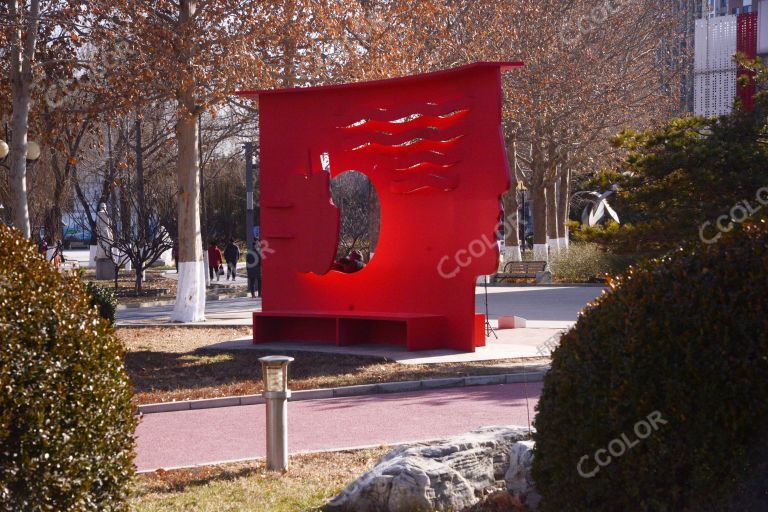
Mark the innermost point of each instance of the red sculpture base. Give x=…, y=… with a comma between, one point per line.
x=414, y=331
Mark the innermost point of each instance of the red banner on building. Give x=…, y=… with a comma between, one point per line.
x=746, y=44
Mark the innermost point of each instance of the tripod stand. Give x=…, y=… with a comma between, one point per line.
x=488, y=328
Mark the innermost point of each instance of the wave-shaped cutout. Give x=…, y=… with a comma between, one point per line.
x=402, y=123
x=410, y=146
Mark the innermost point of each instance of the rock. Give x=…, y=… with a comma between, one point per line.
x=518, y=476
x=544, y=277
x=449, y=474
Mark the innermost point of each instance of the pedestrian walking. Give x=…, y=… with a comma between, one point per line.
x=58, y=255
x=214, y=261
x=253, y=268
x=231, y=256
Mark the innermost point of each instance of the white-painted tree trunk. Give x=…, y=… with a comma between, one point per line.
x=554, y=245
x=539, y=206
x=563, y=206
x=512, y=253
x=190, y=295
x=207, y=273
x=190, y=302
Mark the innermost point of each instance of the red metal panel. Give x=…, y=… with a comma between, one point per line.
x=432, y=146
x=746, y=44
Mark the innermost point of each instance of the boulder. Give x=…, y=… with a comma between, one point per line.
x=518, y=475
x=449, y=474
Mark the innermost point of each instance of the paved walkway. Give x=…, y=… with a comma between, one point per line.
x=207, y=436
x=234, y=311
x=543, y=307
x=548, y=310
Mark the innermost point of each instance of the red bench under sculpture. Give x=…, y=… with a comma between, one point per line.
x=433, y=148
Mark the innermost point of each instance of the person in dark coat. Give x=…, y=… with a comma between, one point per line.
x=214, y=260
x=356, y=262
x=253, y=267
x=231, y=256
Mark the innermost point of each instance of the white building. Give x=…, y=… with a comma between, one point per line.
x=717, y=41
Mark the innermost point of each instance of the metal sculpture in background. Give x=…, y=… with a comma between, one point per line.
x=594, y=206
x=432, y=147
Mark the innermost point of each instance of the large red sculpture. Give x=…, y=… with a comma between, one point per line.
x=432, y=147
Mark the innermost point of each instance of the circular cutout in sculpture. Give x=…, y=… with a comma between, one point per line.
x=360, y=217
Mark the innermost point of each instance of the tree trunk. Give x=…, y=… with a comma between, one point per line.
x=203, y=188
x=22, y=50
x=52, y=221
x=18, y=152
x=539, y=207
x=511, y=207
x=563, y=207
x=139, y=277
x=141, y=204
x=190, y=295
x=552, y=233
x=86, y=208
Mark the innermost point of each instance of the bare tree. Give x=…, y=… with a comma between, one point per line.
x=355, y=196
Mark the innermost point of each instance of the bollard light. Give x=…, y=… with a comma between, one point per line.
x=276, y=394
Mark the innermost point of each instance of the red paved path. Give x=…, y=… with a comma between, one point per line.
x=186, y=438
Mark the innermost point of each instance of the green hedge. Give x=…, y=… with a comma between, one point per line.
x=66, y=426
x=685, y=338
x=104, y=299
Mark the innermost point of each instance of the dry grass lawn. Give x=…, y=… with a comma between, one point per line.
x=169, y=363
x=166, y=288
x=311, y=480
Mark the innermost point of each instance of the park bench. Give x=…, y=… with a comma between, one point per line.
x=414, y=331
x=523, y=270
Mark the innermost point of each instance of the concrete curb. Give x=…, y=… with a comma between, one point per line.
x=209, y=325
x=348, y=391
